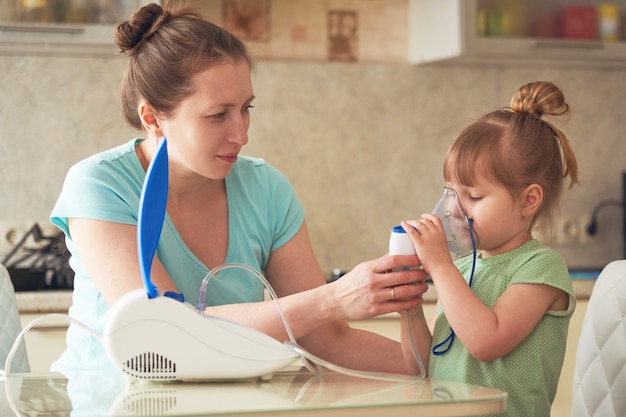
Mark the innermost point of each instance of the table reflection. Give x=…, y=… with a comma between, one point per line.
x=96, y=394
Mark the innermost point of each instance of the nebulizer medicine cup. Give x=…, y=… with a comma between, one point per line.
x=400, y=242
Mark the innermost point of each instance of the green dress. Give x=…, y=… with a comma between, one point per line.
x=529, y=373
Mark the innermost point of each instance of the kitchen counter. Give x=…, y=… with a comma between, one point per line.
x=44, y=350
x=56, y=301
x=293, y=392
x=43, y=302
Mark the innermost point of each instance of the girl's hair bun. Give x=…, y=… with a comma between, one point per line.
x=539, y=98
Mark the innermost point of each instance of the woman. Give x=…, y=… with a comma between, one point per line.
x=189, y=80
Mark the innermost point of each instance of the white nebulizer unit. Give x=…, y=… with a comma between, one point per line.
x=460, y=235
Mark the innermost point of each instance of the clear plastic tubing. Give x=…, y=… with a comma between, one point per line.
x=312, y=362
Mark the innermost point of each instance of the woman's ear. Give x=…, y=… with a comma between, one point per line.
x=532, y=196
x=149, y=119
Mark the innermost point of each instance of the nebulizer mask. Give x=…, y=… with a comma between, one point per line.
x=458, y=227
x=462, y=241
x=460, y=234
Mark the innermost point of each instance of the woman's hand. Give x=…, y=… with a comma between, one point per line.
x=372, y=289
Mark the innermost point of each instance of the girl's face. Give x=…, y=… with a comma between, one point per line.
x=210, y=127
x=497, y=216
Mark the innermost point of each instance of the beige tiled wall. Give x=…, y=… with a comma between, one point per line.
x=363, y=142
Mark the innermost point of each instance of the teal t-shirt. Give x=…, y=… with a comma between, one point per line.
x=263, y=214
x=529, y=373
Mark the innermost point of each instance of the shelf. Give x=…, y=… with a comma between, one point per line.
x=446, y=32
x=61, y=38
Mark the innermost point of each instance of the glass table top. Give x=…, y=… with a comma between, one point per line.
x=292, y=392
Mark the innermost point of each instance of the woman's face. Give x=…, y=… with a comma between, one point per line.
x=209, y=128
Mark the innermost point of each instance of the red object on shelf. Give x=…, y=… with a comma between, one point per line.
x=545, y=23
x=579, y=22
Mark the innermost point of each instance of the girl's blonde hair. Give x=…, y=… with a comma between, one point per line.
x=516, y=147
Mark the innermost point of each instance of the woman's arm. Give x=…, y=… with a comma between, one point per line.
x=108, y=251
x=316, y=311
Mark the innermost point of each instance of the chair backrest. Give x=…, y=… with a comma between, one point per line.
x=10, y=325
x=599, y=387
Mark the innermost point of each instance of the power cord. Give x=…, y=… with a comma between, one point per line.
x=6, y=372
x=18, y=340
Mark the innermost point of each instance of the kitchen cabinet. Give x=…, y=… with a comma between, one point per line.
x=566, y=33
x=511, y=32
x=62, y=27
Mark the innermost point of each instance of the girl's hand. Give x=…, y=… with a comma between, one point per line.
x=372, y=289
x=429, y=239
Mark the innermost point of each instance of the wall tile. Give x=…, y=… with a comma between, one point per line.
x=362, y=144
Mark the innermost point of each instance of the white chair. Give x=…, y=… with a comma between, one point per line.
x=599, y=387
x=10, y=325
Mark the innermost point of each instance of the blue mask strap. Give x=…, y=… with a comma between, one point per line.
x=443, y=347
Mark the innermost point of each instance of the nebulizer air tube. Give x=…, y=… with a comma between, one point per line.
x=312, y=362
x=462, y=241
x=205, y=282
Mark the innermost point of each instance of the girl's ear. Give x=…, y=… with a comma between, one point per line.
x=532, y=196
x=149, y=119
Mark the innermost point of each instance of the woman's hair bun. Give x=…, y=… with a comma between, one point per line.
x=129, y=35
x=539, y=98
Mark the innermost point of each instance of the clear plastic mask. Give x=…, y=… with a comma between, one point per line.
x=461, y=236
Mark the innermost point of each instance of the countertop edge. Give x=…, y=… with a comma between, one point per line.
x=45, y=301
x=54, y=301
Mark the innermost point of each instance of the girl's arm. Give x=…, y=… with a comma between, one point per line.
x=421, y=334
x=488, y=334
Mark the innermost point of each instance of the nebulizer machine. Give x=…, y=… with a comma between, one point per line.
x=462, y=241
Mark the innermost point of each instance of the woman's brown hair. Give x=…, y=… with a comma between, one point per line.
x=166, y=49
x=516, y=147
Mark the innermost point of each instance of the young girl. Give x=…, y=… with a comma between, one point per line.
x=503, y=315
